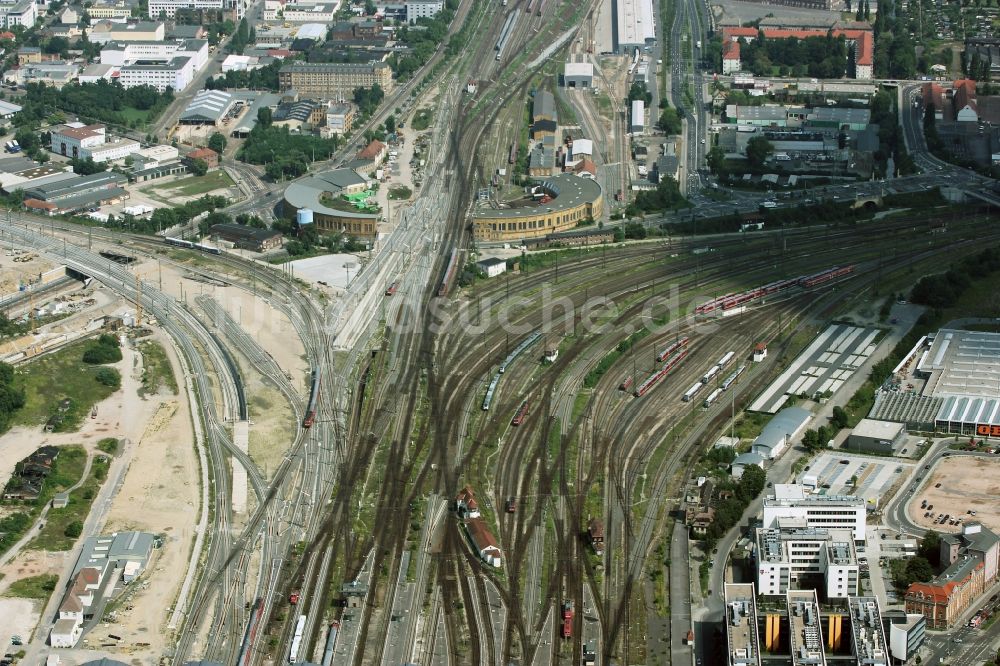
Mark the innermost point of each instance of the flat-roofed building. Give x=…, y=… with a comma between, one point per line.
x=907, y=632
x=635, y=24
x=208, y=107
x=571, y=199
x=796, y=556
x=805, y=631
x=638, y=118
x=334, y=80
x=578, y=75
x=741, y=625
x=876, y=436
x=867, y=632
x=103, y=32
x=818, y=511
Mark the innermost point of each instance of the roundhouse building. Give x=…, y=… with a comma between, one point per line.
x=573, y=199
x=317, y=192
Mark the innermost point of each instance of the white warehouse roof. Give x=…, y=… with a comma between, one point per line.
x=635, y=23
x=578, y=69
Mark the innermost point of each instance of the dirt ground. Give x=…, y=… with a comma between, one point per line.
x=159, y=495
x=13, y=273
x=19, y=618
x=272, y=426
x=967, y=483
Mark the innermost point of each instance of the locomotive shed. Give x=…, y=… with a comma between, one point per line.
x=824, y=365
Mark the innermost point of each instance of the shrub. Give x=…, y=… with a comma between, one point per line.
x=109, y=377
x=74, y=529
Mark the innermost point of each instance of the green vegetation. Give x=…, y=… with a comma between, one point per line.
x=157, y=372
x=101, y=102
x=109, y=377
x=108, y=445
x=193, y=185
x=11, y=397
x=265, y=78
x=670, y=120
x=666, y=196
x=606, y=363
x=822, y=57
x=422, y=119
x=103, y=350
x=400, y=192
x=730, y=510
x=422, y=41
x=308, y=242
x=63, y=526
x=164, y=218
x=284, y=154
x=53, y=378
x=35, y=587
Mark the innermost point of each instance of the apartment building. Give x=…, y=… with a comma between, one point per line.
x=22, y=12
x=105, y=9
x=103, y=32
x=796, y=556
x=416, y=9
x=818, y=511
x=334, y=80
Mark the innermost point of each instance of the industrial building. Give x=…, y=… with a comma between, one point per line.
x=207, y=108
x=73, y=194
x=247, y=238
x=962, y=363
x=795, y=556
x=572, y=199
x=634, y=23
x=637, y=124
x=578, y=75
x=780, y=431
x=315, y=193
x=873, y=436
x=818, y=511
x=334, y=80
x=79, y=141
x=741, y=625
x=972, y=561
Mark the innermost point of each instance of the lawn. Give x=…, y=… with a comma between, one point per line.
x=422, y=120
x=156, y=370
x=400, y=192
x=109, y=445
x=193, y=185
x=54, y=537
x=135, y=114
x=35, y=587
x=50, y=379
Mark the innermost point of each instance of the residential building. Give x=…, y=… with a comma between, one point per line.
x=416, y=9
x=793, y=556
x=371, y=156
x=932, y=94
x=234, y=9
x=780, y=431
x=805, y=632
x=867, y=632
x=110, y=9
x=743, y=646
x=206, y=155
x=492, y=267
x=339, y=118
x=334, y=80
x=103, y=32
x=818, y=511
x=971, y=560
x=964, y=101
x=29, y=54
x=578, y=75
x=731, y=57
x=248, y=238
x=325, y=12
x=21, y=12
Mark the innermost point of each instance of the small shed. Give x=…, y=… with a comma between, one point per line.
x=492, y=266
x=60, y=500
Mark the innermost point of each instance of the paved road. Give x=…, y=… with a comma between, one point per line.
x=680, y=596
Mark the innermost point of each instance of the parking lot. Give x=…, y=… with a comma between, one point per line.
x=954, y=487
x=850, y=474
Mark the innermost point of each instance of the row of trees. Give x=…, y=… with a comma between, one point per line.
x=11, y=396
x=422, y=40
x=265, y=78
x=102, y=101
x=666, y=196
x=944, y=289
x=309, y=241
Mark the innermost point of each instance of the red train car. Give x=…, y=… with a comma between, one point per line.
x=626, y=385
x=392, y=289
x=567, y=617
x=521, y=413
x=671, y=349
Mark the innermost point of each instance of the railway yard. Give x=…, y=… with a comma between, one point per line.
x=431, y=468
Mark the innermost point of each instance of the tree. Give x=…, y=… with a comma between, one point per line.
x=670, y=121
x=918, y=569
x=264, y=117
x=217, y=142
x=930, y=548
x=639, y=91
x=839, y=417
x=74, y=529
x=109, y=377
x=88, y=166
x=390, y=124
x=198, y=167
x=716, y=159
x=810, y=440
x=752, y=482
x=758, y=150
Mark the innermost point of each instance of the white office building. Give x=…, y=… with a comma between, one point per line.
x=235, y=8
x=23, y=12
x=818, y=511
x=794, y=556
x=158, y=64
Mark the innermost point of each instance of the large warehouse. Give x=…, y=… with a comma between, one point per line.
x=960, y=393
x=634, y=26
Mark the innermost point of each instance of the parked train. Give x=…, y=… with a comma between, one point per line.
x=246, y=649
x=521, y=413
x=655, y=378
x=293, y=652
x=730, y=301
x=331, y=643
x=527, y=342
x=180, y=242
x=567, y=619
x=728, y=381
x=697, y=386
x=310, y=416
x=449, y=273
x=712, y=397
x=627, y=384
x=671, y=349
x=391, y=289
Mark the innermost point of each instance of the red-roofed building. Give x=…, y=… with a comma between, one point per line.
x=585, y=168
x=972, y=558
x=46, y=207
x=207, y=155
x=861, y=40
x=731, y=56
x=964, y=101
x=372, y=155
x=279, y=53
x=483, y=541
x=933, y=95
